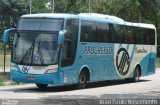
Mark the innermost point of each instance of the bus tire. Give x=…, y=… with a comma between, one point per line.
x=42, y=86
x=136, y=75
x=82, y=82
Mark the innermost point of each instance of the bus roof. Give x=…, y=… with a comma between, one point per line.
x=103, y=16
x=115, y=19
x=49, y=15
x=108, y=18
x=143, y=25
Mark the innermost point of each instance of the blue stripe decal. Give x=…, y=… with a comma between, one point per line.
x=120, y=45
x=127, y=47
x=134, y=47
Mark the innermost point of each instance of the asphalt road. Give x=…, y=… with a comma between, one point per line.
x=147, y=88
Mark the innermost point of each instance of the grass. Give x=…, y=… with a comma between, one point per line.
x=5, y=82
x=2, y=57
x=2, y=60
x=2, y=81
x=9, y=83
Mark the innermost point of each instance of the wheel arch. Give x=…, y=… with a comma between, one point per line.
x=139, y=68
x=85, y=69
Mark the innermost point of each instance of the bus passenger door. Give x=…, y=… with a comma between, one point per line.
x=69, y=47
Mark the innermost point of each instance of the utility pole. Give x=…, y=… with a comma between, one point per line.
x=30, y=7
x=4, y=51
x=53, y=6
x=89, y=6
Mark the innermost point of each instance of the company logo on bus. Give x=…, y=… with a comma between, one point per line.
x=122, y=61
x=25, y=69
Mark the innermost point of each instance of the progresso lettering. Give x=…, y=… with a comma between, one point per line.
x=97, y=50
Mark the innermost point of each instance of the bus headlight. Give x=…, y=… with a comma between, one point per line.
x=14, y=68
x=51, y=71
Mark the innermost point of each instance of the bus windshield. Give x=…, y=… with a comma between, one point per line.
x=32, y=48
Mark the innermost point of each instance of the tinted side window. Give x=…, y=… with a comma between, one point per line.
x=117, y=33
x=103, y=34
x=145, y=36
x=70, y=42
x=88, y=31
x=130, y=33
x=150, y=36
x=140, y=36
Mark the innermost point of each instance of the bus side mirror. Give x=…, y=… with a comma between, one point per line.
x=6, y=34
x=61, y=37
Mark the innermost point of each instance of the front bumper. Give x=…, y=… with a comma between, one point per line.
x=36, y=78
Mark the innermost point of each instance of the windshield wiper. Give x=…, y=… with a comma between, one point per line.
x=40, y=53
x=28, y=52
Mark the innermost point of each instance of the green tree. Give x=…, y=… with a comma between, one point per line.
x=127, y=9
x=136, y=10
x=39, y=6
x=9, y=13
x=71, y=6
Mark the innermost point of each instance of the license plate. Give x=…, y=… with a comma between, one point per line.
x=31, y=78
x=39, y=68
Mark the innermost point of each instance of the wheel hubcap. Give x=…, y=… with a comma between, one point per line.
x=82, y=79
x=137, y=75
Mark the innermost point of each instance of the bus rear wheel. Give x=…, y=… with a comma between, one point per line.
x=136, y=76
x=42, y=86
x=82, y=82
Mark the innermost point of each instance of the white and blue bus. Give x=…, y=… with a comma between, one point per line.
x=61, y=49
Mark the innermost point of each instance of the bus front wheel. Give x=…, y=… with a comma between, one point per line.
x=82, y=82
x=42, y=86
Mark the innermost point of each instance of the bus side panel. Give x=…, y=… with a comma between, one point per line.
x=99, y=58
x=69, y=74
x=104, y=67
x=147, y=59
x=152, y=64
x=137, y=54
x=125, y=60
x=152, y=60
x=86, y=60
x=148, y=64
